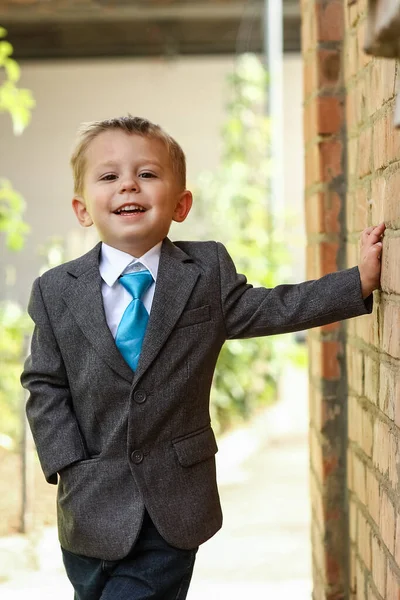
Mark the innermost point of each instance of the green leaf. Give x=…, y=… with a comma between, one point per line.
x=12, y=69
x=5, y=51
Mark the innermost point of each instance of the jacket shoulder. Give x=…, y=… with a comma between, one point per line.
x=199, y=250
x=75, y=266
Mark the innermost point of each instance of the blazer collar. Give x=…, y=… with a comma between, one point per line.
x=177, y=276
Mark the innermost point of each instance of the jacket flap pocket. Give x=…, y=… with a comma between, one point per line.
x=194, y=316
x=196, y=448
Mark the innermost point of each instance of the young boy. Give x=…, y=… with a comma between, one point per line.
x=121, y=422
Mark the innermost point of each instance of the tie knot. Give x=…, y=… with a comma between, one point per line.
x=137, y=283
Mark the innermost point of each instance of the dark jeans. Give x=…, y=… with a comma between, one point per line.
x=153, y=569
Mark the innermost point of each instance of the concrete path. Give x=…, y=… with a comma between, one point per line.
x=263, y=551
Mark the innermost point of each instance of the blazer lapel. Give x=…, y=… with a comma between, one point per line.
x=177, y=275
x=83, y=297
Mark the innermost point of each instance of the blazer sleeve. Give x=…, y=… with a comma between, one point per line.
x=252, y=312
x=49, y=410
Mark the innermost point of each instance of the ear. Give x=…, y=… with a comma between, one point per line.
x=81, y=212
x=183, y=206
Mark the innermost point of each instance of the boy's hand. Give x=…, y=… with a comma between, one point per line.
x=370, y=258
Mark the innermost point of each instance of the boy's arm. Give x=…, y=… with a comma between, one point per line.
x=251, y=312
x=49, y=407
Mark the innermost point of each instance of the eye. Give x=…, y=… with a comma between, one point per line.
x=108, y=177
x=147, y=175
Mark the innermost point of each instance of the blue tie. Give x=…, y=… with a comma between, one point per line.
x=132, y=327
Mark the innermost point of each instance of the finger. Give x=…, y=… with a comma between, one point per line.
x=366, y=234
x=372, y=234
x=377, y=233
x=367, y=231
x=376, y=249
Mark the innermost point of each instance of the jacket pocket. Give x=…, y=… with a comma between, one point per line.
x=194, y=316
x=195, y=448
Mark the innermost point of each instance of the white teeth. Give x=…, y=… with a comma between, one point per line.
x=130, y=208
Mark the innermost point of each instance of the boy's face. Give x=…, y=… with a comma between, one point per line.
x=130, y=192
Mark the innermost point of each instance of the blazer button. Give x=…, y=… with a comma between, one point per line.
x=140, y=396
x=137, y=456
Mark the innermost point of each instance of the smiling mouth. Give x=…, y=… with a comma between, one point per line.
x=130, y=209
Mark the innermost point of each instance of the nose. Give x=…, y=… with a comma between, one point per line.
x=129, y=184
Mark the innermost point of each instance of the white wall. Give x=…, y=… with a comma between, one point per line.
x=186, y=96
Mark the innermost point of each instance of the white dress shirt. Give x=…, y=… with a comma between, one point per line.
x=116, y=298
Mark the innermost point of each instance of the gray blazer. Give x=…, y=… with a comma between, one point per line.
x=121, y=441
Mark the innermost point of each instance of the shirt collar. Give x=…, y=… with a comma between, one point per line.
x=113, y=262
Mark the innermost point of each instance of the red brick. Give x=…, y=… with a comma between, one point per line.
x=331, y=156
x=329, y=465
x=330, y=115
x=330, y=362
x=329, y=69
x=330, y=21
x=328, y=257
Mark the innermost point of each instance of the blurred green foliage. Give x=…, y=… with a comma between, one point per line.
x=232, y=205
x=18, y=103
x=14, y=322
x=14, y=326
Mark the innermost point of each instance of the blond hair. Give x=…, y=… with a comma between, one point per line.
x=131, y=125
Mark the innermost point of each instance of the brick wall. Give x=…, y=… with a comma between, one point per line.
x=373, y=344
x=324, y=132
x=352, y=181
